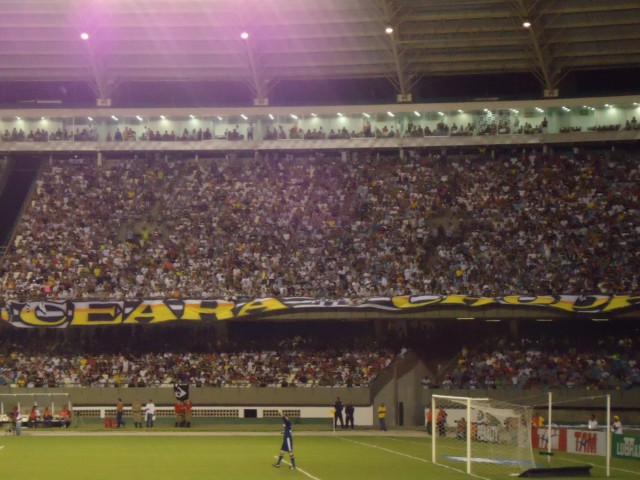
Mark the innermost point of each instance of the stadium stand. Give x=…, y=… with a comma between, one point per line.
x=322, y=227
x=601, y=365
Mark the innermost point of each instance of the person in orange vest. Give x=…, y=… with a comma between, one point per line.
x=187, y=413
x=34, y=417
x=47, y=418
x=65, y=417
x=429, y=421
x=179, y=409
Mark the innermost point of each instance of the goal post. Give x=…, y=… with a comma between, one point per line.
x=479, y=436
x=575, y=425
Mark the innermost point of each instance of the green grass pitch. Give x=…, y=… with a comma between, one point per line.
x=163, y=456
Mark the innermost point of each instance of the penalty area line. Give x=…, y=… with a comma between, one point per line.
x=299, y=469
x=385, y=449
x=405, y=455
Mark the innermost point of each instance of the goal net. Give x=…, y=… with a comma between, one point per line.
x=53, y=402
x=574, y=425
x=482, y=437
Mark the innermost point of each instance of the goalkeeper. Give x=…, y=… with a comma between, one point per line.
x=287, y=443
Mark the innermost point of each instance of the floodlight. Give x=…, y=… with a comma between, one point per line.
x=244, y=35
x=526, y=24
x=84, y=36
x=388, y=30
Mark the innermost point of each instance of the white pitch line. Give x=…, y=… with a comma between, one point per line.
x=299, y=469
x=385, y=449
x=604, y=467
x=406, y=455
x=406, y=441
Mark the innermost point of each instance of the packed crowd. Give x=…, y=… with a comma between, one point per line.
x=292, y=364
x=538, y=366
x=519, y=224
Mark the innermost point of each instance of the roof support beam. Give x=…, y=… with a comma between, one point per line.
x=401, y=82
x=542, y=57
x=257, y=84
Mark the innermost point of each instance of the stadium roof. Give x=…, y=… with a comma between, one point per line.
x=197, y=40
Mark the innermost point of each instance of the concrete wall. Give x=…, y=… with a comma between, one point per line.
x=210, y=396
x=401, y=385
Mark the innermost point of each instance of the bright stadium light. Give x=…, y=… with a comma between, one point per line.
x=314, y=115
x=90, y=119
x=388, y=30
x=244, y=35
x=390, y=114
x=526, y=24
x=162, y=117
x=366, y=115
x=139, y=118
x=84, y=36
x=339, y=114
x=219, y=118
x=192, y=117
x=271, y=116
x=244, y=116
x=417, y=114
x=114, y=117
x=295, y=117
